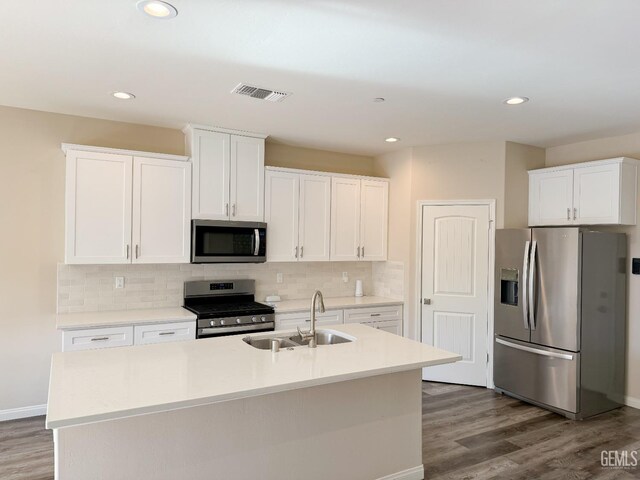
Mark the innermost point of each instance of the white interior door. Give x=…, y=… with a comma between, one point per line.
x=455, y=268
x=315, y=218
x=281, y=215
x=345, y=219
x=247, y=178
x=98, y=208
x=161, y=211
x=211, y=174
x=374, y=207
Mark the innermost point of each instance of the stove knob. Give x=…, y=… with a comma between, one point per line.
x=223, y=322
x=238, y=320
x=212, y=323
x=262, y=319
x=253, y=319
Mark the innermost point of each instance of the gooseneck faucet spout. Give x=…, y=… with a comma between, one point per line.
x=311, y=334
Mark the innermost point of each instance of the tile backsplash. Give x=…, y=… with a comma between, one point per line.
x=86, y=288
x=388, y=279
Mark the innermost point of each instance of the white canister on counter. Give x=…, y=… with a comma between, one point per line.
x=359, y=288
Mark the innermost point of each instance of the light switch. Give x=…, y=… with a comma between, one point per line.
x=345, y=277
x=119, y=282
x=278, y=277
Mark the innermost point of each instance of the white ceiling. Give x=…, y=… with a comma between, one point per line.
x=444, y=67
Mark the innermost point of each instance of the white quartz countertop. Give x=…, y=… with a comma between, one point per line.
x=98, y=385
x=69, y=321
x=288, y=306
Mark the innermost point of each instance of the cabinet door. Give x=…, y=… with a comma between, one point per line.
x=281, y=215
x=551, y=198
x=392, y=326
x=210, y=154
x=315, y=218
x=164, y=332
x=374, y=211
x=345, y=219
x=98, y=208
x=596, y=194
x=91, y=338
x=161, y=211
x=373, y=314
x=247, y=178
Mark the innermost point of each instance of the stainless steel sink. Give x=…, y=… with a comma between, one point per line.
x=323, y=337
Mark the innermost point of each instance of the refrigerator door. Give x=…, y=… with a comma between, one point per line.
x=510, y=302
x=543, y=375
x=554, y=287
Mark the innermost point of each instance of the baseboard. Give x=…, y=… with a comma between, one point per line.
x=632, y=402
x=415, y=473
x=22, y=412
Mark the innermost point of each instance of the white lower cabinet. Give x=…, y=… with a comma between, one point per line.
x=164, y=332
x=289, y=321
x=87, y=339
x=387, y=318
x=124, y=336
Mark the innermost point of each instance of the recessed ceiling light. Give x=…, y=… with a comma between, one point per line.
x=391, y=140
x=123, y=95
x=378, y=100
x=157, y=9
x=516, y=100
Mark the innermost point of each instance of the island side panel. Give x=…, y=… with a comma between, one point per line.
x=360, y=429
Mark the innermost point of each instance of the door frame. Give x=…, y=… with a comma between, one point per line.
x=491, y=203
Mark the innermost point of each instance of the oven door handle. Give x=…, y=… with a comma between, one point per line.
x=214, y=331
x=256, y=236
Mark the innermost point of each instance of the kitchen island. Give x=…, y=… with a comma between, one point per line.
x=220, y=408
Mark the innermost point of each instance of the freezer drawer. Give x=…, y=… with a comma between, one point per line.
x=544, y=375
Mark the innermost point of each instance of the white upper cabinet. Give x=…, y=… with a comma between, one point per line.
x=603, y=192
x=359, y=219
x=298, y=216
x=98, y=207
x=228, y=174
x=161, y=211
x=124, y=206
x=345, y=219
x=374, y=208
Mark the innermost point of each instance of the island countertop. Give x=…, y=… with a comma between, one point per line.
x=98, y=385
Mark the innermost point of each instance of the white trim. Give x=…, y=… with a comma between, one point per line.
x=325, y=174
x=22, y=412
x=594, y=163
x=415, y=473
x=632, y=401
x=120, y=151
x=491, y=203
x=242, y=133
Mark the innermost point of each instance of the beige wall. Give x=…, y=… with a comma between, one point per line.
x=32, y=215
x=280, y=155
x=628, y=146
x=519, y=159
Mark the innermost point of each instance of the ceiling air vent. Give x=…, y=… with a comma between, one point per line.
x=260, y=93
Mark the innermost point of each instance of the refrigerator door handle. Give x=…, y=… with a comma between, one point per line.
x=525, y=276
x=544, y=353
x=531, y=298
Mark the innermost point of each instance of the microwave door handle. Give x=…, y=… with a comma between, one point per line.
x=525, y=277
x=256, y=234
x=532, y=285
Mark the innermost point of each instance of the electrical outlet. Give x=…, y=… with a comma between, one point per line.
x=345, y=277
x=119, y=282
x=278, y=277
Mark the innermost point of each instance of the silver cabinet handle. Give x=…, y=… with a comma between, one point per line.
x=233, y=210
x=532, y=284
x=167, y=333
x=302, y=251
x=296, y=254
x=568, y=214
x=358, y=252
x=376, y=314
x=99, y=339
x=544, y=353
x=525, y=277
x=137, y=251
x=575, y=213
x=127, y=251
x=226, y=209
x=362, y=252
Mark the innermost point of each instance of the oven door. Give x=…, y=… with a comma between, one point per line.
x=228, y=242
x=235, y=330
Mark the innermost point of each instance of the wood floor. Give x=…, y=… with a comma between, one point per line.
x=468, y=433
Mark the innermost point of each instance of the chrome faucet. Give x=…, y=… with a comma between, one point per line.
x=311, y=334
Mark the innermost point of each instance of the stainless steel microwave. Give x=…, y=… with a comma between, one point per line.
x=214, y=241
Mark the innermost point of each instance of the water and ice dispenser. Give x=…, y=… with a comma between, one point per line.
x=509, y=286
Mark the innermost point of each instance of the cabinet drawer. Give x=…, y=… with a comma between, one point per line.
x=164, y=332
x=373, y=314
x=96, y=338
x=289, y=321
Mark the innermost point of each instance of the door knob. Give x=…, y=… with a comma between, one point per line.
x=426, y=301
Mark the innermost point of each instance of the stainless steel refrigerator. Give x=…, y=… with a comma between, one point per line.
x=560, y=308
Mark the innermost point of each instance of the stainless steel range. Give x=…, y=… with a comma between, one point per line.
x=227, y=307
